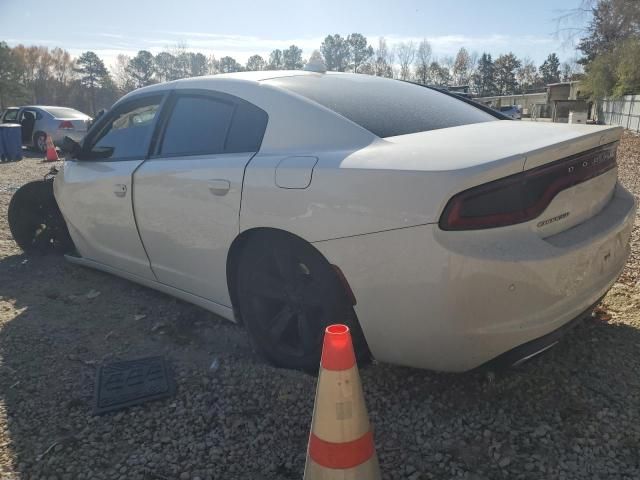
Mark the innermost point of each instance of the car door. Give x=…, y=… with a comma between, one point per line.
x=95, y=191
x=187, y=195
x=28, y=117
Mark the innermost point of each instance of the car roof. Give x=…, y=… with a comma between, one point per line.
x=264, y=74
x=41, y=107
x=251, y=77
x=44, y=107
x=211, y=80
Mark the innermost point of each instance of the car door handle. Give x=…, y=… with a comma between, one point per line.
x=219, y=186
x=120, y=190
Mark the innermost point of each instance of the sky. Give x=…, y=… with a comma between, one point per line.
x=241, y=28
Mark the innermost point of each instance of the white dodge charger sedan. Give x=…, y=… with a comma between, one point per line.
x=444, y=235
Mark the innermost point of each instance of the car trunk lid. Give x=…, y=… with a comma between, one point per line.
x=473, y=155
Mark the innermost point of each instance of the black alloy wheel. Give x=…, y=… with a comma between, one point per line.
x=288, y=294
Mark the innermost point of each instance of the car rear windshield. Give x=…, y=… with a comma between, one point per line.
x=383, y=106
x=61, y=112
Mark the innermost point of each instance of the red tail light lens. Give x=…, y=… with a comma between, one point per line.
x=523, y=196
x=65, y=125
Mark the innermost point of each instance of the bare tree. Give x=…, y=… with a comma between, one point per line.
x=462, y=67
x=526, y=74
x=62, y=65
x=473, y=61
x=276, y=60
x=423, y=60
x=570, y=70
x=571, y=23
x=438, y=75
x=447, y=62
x=406, y=52
x=384, y=58
x=121, y=77
x=181, y=64
x=213, y=65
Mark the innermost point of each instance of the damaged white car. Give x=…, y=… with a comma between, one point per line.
x=445, y=236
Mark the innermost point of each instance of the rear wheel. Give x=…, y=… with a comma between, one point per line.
x=36, y=222
x=40, y=141
x=288, y=293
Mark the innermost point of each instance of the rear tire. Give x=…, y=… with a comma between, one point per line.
x=36, y=222
x=288, y=294
x=40, y=142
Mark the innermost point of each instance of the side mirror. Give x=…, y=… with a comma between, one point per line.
x=70, y=147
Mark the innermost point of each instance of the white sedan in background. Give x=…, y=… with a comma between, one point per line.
x=38, y=121
x=289, y=200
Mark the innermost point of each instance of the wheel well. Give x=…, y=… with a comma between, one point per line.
x=34, y=137
x=33, y=195
x=235, y=252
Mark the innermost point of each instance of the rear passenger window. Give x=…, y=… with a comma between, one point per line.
x=205, y=124
x=247, y=129
x=198, y=125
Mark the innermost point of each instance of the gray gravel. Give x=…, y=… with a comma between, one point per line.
x=572, y=413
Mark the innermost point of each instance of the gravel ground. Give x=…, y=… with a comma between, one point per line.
x=572, y=413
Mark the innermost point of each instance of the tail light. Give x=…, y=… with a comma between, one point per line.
x=523, y=196
x=66, y=125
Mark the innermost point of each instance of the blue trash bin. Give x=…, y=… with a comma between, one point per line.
x=2, y=152
x=11, y=141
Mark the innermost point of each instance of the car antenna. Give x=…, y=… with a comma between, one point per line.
x=316, y=63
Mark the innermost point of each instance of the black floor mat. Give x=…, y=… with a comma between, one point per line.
x=123, y=384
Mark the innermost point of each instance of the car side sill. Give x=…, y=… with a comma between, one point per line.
x=222, y=310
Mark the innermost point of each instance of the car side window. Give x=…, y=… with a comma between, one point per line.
x=197, y=125
x=32, y=114
x=10, y=115
x=247, y=129
x=127, y=132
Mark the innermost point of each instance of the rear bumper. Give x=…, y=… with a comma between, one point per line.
x=532, y=348
x=452, y=301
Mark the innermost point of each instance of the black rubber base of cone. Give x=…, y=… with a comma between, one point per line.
x=124, y=384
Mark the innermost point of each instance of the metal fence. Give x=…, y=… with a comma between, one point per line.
x=623, y=111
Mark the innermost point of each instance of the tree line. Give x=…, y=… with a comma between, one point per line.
x=610, y=46
x=39, y=75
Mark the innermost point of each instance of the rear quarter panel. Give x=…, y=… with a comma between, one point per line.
x=343, y=201
x=402, y=181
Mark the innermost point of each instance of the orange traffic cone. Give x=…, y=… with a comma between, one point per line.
x=341, y=442
x=52, y=155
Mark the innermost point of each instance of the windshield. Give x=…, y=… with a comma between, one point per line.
x=384, y=107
